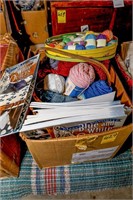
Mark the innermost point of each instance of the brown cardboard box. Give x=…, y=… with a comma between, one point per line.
x=35, y=23
x=63, y=151
x=90, y=147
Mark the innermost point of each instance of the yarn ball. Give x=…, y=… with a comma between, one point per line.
x=54, y=83
x=97, y=88
x=101, y=40
x=108, y=34
x=82, y=75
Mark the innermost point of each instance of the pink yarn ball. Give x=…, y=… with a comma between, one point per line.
x=82, y=75
x=108, y=34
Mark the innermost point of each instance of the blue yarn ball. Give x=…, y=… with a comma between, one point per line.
x=97, y=88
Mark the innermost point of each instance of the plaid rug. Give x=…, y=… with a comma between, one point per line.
x=68, y=179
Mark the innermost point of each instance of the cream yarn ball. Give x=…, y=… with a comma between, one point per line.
x=54, y=83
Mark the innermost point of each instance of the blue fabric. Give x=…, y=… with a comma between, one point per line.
x=53, y=97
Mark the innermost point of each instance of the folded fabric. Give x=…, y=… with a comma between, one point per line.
x=97, y=88
x=49, y=96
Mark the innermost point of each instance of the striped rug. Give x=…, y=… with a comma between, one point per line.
x=68, y=179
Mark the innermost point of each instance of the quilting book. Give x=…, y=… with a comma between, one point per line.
x=88, y=127
x=17, y=85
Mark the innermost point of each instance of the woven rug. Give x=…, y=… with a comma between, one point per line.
x=114, y=173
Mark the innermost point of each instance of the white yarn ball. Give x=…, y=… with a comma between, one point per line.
x=54, y=83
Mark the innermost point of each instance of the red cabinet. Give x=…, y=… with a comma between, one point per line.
x=69, y=16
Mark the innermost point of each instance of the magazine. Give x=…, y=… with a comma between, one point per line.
x=17, y=85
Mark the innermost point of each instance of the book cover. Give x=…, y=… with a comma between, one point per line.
x=88, y=127
x=17, y=85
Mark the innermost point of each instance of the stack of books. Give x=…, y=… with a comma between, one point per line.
x=93, y=115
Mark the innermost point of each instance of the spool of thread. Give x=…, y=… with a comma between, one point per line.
x=108, y=34
x=53, y=63
x=90, y=41
x=54, y=83
x=101, y=40
x=97, y=88
x=74, y=47
x=80, y=77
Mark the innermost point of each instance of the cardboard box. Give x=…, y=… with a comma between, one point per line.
x=78, y=149
x=63, y=151
x=38, y=32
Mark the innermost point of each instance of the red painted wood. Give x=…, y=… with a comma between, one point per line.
x=96, y=14
x=11, y=146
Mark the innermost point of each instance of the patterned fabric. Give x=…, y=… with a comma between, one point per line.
x=113, y=173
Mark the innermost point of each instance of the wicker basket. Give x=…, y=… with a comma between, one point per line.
x=100, y=54
x=10, y=52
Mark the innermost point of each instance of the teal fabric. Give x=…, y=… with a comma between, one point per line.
x=114, y=173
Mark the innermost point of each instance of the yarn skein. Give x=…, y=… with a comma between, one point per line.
x=54, y=83
x=82, y=75
x=90, y=41
x=97, y=88
x=74, y=47
x=101, y=40
x=108, y=34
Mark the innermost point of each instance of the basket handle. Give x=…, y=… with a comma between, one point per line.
x=83, y=58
